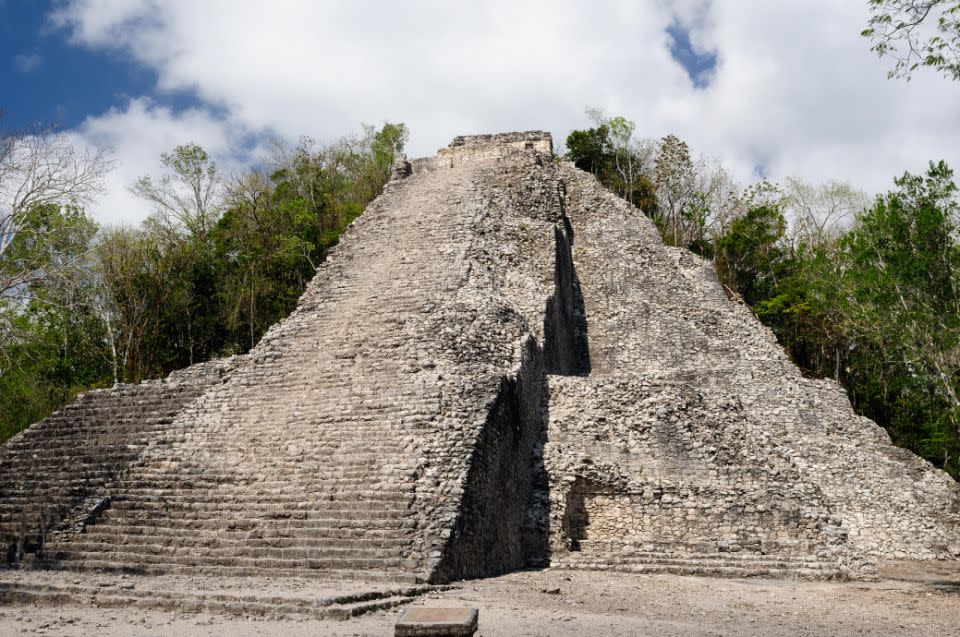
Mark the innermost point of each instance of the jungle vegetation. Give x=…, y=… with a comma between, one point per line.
x=864, y=290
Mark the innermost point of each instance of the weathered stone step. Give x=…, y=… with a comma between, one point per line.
x=791, y=547
x=358, y=471
x=273, y=606
x=90, y=409
x=78, y=449
x=705, y=570
x=317, y=527
x=348, y=489
x=13, y=505
x=97, y=565
x=53, y=492
x=135, y=560
x=82, y=458
x=120, y=537
x=306, y=485
x=722, y=559
x=741, y=556
x=282, y=494
x=316, y=462
x=186, y=548
x=89, y=414
x=263, y=508
x=301, y=519
x=134, y=427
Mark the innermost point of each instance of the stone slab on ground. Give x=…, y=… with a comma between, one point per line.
x=437, y=622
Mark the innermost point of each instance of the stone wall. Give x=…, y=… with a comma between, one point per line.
x=478, y=149
x=515, y=262
x=488, y=537
x=472, y=149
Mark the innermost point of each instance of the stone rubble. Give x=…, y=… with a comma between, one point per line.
x=695, y=442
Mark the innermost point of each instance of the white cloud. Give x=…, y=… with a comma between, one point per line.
x=796, y=89
x=27, y=62
x=138, y=134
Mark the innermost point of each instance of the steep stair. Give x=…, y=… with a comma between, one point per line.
x=75, y=454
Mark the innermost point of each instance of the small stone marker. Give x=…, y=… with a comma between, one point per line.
x=437, y=622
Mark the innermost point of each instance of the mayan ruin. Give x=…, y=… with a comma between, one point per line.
x=501, y=366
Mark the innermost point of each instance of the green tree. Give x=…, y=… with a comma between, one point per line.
x=901, y=305
x=149, y=300
x=620, y=161
x=750, y=255
x=188, y=195
x=589, y=150
x=51, y=337
x=802, y=308
x=915, y=33
x=683, y=200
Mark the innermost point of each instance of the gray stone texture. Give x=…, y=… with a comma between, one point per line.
x=696, y=443
x=57, y=473
x=500, y=365
x=437, y=622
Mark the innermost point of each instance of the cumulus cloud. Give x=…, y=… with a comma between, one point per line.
x=794, y=89
x=27, y=62
x=139, y=133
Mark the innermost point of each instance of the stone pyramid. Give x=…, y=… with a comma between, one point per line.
x=501, y=365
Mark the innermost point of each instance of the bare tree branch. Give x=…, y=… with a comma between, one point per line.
x=41, y=167
x=916, y=33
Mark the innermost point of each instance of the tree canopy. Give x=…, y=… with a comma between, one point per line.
x=915, y=33
x=863, y=291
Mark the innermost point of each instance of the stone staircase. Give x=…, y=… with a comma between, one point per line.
x=369, y=428
x=332, y=526
x=305, y=461
x=71, y=457
x=347, y=515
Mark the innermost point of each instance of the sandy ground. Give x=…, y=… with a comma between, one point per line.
x=908, y=600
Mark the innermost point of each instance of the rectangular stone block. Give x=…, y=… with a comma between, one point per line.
x=437, y=622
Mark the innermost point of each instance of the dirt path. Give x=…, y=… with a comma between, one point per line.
x=907, y=601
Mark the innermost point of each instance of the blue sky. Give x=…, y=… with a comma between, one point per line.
x=53, y=81
x=62, y=83
x=699, y=64
x=785, y=88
